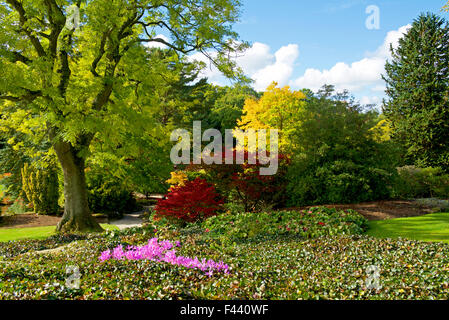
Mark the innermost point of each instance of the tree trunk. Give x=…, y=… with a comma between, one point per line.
x=77, y=216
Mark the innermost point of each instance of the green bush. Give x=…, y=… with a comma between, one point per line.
x=18, y=207
x=338, y=156
x=413, y=182
x=41, y=187
x=305, y=224
x=341, y=181
x=109, y=197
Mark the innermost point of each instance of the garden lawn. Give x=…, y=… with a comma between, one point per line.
x=431, y=227
x=35, y=233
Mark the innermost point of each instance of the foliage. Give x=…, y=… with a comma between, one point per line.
x=418, y=90
x=194, y=201
x=88, y=85
x=339, y=158
x=18, y=207
x=110, y=196
x=164, y=252
x=178, y=179
x=304, y=224
x=229, y=105
x=327, y=268
x=243, y=183
x=20, y=149
x=278, y=108
x=414, y=182
x=257, y=191
x=2, y=191
x=41, y=187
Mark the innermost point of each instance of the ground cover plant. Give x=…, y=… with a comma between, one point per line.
x=304, y=224
x=279, y=267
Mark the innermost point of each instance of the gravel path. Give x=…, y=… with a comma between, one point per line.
x=131, y=220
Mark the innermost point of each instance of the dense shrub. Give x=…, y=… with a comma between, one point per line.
x=192, y=201
x=41, y=187
x=338, y=158
x=305, y=224
x=414, y=182
x=110, y=197
x=243, y=183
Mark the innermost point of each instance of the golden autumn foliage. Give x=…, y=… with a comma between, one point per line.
x=178, y=179
x=382, y=131
x=278, y=108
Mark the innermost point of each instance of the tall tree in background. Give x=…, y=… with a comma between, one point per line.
x=78, y=79
x=278, y=108
x=418, y=90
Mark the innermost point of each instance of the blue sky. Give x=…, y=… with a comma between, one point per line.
x=305, y=43
x=326, y=31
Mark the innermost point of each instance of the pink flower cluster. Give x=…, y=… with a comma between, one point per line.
x=163, y=251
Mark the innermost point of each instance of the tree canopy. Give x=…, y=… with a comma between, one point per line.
x=86, y=82
x=417, y=81
x=278, y=108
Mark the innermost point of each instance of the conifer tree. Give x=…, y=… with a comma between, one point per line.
x=418, y=92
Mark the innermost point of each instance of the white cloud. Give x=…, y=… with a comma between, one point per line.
x=392, y=38
x=210, y=71
x=255, y=58
x=259, y=63
x=279, y=71
x=360, y=77
x=370, y=100
x=365, y=74
x=158, y=44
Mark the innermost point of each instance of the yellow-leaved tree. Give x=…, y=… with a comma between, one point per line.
x=278, y=108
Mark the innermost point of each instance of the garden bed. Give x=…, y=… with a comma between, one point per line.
x=276, y=268
x=383, y=210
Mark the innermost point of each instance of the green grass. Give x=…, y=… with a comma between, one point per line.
x=431, y=227
x=35, y=233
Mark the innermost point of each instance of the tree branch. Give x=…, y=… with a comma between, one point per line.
x=23, y=20
x=31, y=96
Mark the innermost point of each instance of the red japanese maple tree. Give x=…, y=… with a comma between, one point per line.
x=194, y=201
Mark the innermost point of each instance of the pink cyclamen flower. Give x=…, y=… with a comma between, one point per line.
x=164, y=251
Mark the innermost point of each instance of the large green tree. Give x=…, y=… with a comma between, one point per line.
x=84, y=82
x=417, y=80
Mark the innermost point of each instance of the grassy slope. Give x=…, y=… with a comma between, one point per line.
x=432, y=227
x=35, y=233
